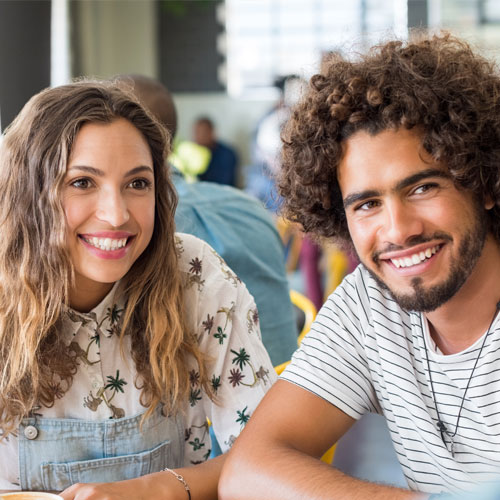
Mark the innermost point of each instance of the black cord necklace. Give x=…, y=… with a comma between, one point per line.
x=443, y=430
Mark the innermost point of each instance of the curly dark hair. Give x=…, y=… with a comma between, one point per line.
x=437, y=86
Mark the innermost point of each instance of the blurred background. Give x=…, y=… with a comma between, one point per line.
x=219, y=58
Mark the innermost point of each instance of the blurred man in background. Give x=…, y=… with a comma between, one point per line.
x=224, y=161
x=238, y=228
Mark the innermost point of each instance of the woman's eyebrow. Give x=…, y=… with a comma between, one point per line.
x=89, y=170
x=140, y=169
x=101, y=173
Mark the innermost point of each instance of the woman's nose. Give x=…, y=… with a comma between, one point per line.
x=112, y=208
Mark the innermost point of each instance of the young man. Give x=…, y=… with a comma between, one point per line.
x=397, y=154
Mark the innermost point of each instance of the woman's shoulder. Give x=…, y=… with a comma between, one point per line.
x=199, y=261
x=188, y=244
x=190, y=248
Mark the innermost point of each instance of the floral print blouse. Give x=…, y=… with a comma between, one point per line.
x=221, y=312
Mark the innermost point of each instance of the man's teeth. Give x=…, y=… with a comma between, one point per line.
x=106, y=243
x=416, y=258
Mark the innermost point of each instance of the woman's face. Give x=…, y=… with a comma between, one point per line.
x=109, y=202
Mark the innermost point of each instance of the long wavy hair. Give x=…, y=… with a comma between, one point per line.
x=36, y=272
x=437, y=86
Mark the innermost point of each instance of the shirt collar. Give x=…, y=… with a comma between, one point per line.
x=103, y=318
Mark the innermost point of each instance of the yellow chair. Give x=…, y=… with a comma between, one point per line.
x=337, y=266
x=309, y=310
x=307, y=307
x=291, y=236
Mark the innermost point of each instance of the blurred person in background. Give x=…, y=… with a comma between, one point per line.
x=266, y=144
x=237, y=227
x=261, y=178
x=223, y=165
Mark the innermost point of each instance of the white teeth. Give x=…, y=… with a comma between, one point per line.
x=416, y=258
x=106, y=244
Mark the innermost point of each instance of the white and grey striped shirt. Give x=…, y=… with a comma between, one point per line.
x=365, y=354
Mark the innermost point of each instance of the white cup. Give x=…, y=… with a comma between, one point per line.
x=29, y=495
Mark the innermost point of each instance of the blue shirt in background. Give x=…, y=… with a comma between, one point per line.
x=222, y=166
x=243, y=233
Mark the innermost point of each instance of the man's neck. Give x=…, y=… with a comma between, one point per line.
x=456, y=325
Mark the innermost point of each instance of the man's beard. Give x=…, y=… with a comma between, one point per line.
x=429, y=299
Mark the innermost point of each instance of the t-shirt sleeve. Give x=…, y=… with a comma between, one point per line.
x=240, y=372
x=331, y=361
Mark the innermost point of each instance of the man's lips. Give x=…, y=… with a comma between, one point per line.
x=409, y=257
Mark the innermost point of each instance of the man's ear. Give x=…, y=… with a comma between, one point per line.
x=488, y=202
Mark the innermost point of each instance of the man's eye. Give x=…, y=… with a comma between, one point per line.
x=83, y=183
x=140, y=184
x=424, y=188
x=367, y=205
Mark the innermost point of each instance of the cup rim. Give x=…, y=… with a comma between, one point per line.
x=30, y=494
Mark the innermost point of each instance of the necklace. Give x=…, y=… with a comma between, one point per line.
x=443, y=430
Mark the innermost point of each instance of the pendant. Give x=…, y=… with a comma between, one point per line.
x=452, y=447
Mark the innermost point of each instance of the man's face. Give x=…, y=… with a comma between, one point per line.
x=416, y=233
x=203, y=134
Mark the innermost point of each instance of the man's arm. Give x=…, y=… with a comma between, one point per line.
x=277, y=456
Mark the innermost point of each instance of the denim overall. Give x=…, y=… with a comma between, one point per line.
x=56, y=453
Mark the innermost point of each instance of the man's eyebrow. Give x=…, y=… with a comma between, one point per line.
x=419, y=176
x=359, y=196
x=408, y=181
x=100, y=173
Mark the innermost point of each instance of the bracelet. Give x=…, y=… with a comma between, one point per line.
x=181, y=479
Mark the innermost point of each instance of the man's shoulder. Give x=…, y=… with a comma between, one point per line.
x=208, y=203
x=212, y=191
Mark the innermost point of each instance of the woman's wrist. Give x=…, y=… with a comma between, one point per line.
x=181, y=480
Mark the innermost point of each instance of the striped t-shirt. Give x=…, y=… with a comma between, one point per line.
x=365, y=354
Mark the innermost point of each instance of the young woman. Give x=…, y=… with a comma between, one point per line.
x=118, y=338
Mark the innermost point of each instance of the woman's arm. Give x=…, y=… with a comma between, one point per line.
x=202, y=480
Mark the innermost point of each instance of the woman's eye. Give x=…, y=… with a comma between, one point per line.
x=81, y=183
x=140, y=184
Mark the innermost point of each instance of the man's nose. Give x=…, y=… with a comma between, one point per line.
x=401, y=223
x=112, y=208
